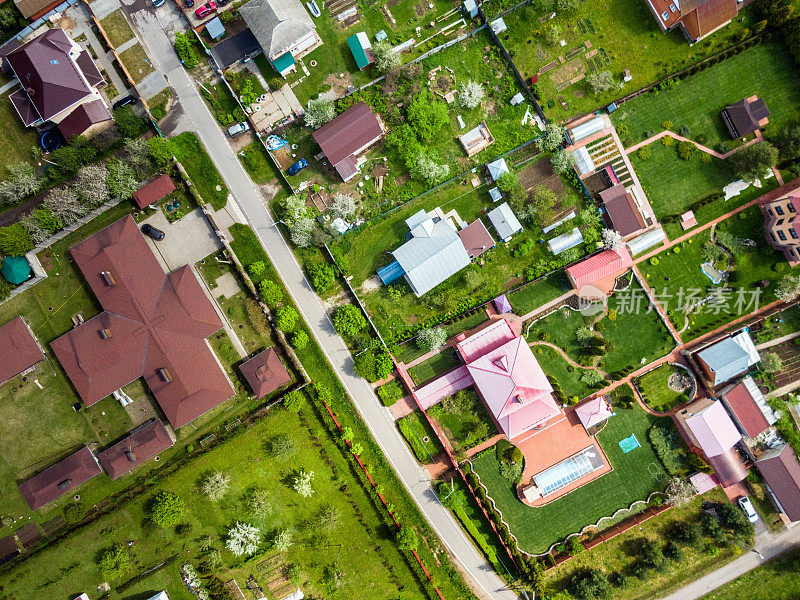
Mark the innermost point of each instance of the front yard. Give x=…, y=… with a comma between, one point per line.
x=17, y=141
x=635, y=476
x=189, y=151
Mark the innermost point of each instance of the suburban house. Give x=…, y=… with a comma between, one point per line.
x=57, y=480
x=744, y=117
x=153, y=325
x=730, y=357
x=19, y=350
x=476, y=139
x=597, y=274
x=344, y=139
x=476, y=239
x=748, y=408
x=780, y=470
x=432, y=253
x=59, y=82
x=621, y=211
x=284, y=30
x=154, y=191
x=708, y=430
x=143, y=443
x=779, y=216
x=265, y=372
x=695, y=18
x=36, y=9
x=361, y=48
x=504, y=221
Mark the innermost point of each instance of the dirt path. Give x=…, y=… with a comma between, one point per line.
x=699, y=146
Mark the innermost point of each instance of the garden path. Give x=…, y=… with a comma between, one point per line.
x=403, y=407
x=779, y=340
x=546, y=307
x=699, y=146
x=567, y=358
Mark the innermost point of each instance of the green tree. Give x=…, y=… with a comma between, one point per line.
x=552, y=137
x=167, y=509
x=300, y=340
x=185, y=49
x=771, y=362
x=407, y=538
x=286, y=318
x=284, y=447
x=591, y=377
x=130, y=124
x=427, y=116
x=753, y=161
x=115, y=563
x=294, y=401
x=386, y=58
x=15, y=240
x=159, y=151
x=788, y=142
x=121, y=180
x=348, y=320
x=271, y=293
x=322, y=276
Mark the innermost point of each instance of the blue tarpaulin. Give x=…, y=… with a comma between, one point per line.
x=390, y=273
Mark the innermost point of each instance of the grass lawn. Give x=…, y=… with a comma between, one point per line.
x=537, y=294
x=435, y=366
x=655, y=390
x=779, y=579
x=559, y=328
x=617, y=554
x=257, y=163
x=189, y=150
x=554, y=365
x=465, y=421
x=158, y=104
x=420, y=437
x=410, y=350
x=628, y=34
x=766, y=70
x=17, y=141
x=651, y=340
x=136, y=61
x=371, y=561
x=634, y=477
x=117, y=29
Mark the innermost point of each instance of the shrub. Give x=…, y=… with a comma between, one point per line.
x=167, y=509
x=300, y=340
x=322, y=276
x=286, y=318
x=115, y=563
x=666, y=443
x=644, y=152
x=589, y=583
x=15, y=240
x=348, y=320
x=684, y=533
x=271, y=293
x=392, y=392
x=294, y=401
x=654, y=260
x=215, y=485
x=407, y=538
x=686, y=150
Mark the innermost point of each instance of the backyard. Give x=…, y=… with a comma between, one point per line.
x=766, y=70
x=655, y=390
x=136, y=61
x=539, y=293
x=464, y=419
x=17, y=141
x=437, y=365
x=635, y=476
x=618, y=33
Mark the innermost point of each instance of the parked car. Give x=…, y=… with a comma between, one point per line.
x=238, y=128
x=152, y=232
x=157, y=3
x=125, y=101
x=189, y=3
x=297, y=167
x=747, y=508
x=206, y=9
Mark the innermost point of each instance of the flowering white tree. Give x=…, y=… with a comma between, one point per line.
x=424, y=168
x=788, y=288
x=318, y=112
x=215, y=485
x=300, y=232
x=31, y=225
x=23, y=182
x=90, y=184
x=562, y=161
x=552, y=137
x=283, y=541
x=243, y=539
x=343, y=206
x=302, y=483
x=470, y=94
x=612, y=239
x=432, y=338
x=64, y=204
x=679, y=491
x=386, y=58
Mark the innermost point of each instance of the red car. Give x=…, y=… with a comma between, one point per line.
x=205, y=10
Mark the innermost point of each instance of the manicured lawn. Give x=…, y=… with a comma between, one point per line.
x=559, y=328
x=634, y=477
x=435, y=366
x=637, y=336
x=537, y=294
x=620, y=552
x=655, y=390
x=554, y=365
x=189, y=150
x=136, y=61
x=117, y=29
x=410, y=350
x=467, y=425
x=628, y=34
x=371, y=561
x=766, y=70
x=257, y=163
x=420, y=437
x=779, y=579
x=17, y=141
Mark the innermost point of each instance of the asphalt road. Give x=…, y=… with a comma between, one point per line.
x=195, y=116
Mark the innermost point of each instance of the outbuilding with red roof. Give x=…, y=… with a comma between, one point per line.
x=143, y=443
x=265, y=372
x=600, y=271
x=59, y=479
x=18, y=348
x=157, y=189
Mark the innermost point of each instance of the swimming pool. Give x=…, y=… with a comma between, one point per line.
x=568, y=471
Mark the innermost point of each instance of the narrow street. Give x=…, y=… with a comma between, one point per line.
x=195, y=116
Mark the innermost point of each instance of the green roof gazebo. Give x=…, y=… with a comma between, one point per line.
x=15, y=269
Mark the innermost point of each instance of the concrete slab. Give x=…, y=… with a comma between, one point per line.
x=151, y=85
x=102, y=8
x=186, y=241
x=227, y=286
x=129, y=44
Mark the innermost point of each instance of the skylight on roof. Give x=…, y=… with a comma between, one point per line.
x=665, y=15
x=54, y=61
x=672, y=8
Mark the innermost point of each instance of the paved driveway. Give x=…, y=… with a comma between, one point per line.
x=187, y=240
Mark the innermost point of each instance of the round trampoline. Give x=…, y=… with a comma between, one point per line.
x=50, y=140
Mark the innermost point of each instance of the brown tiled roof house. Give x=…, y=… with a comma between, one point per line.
x=155, y=190
x=695, y=18
x=18, y=349
x=744, y=117
x=265, y=372
x=781, y=472
x=59, y=83
x=143, y=443
x=346, y=137
x=621, y=211
x=59, y=479
x=153, y=325
x=476, y=238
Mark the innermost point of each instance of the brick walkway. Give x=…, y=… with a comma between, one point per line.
x=403, y=407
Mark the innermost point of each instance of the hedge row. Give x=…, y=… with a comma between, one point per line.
x=412, y=438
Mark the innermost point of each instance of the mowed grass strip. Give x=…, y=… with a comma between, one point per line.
x=189, y=151
x=117, y=29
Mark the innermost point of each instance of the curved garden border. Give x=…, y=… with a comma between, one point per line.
x=690, y=394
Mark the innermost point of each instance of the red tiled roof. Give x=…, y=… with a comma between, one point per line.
x=82, y=117
x=622, y=210
x=609, y=263
x=154, y=326
x=154, y=191
x=476, y=238
x=781, y=472
x=18, y=349
x=746, y=411
x=265, y=372
x=141, y=445
x=60, y=478
x=345, y=135
x=708, y=15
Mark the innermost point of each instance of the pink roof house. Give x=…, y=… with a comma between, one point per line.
x=601, y=270
x=509, y=379
x=593, y=411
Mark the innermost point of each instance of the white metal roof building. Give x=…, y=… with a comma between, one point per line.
x=646, y=240
x=505, y=222
x=586, y=129
x=497, y=168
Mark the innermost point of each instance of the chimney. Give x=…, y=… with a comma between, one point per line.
x=164, y=375
x=106, y=333
x=108, y=278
